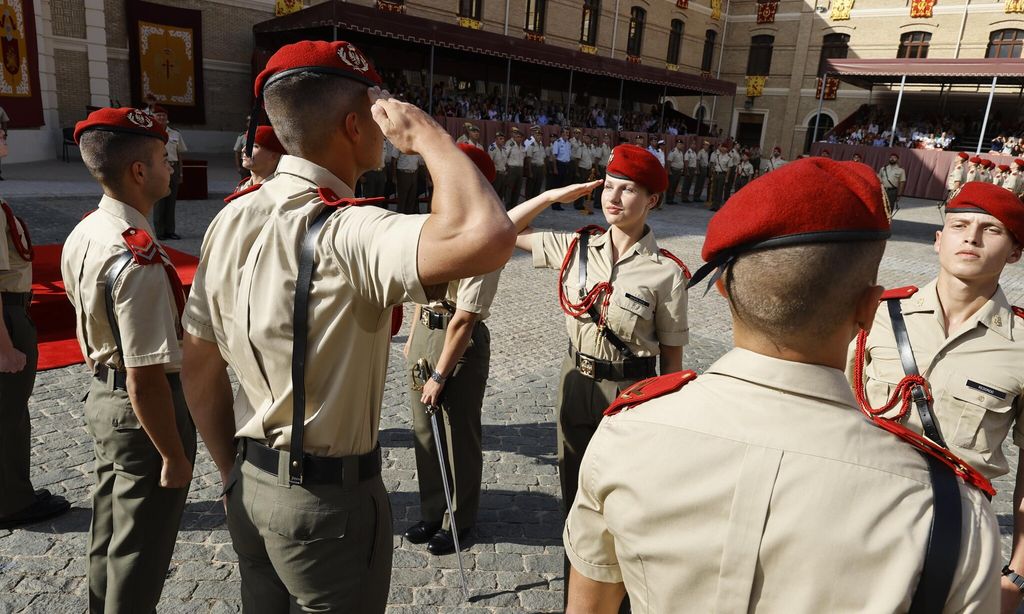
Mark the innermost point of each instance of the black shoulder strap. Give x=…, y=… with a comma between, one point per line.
x=924, y=410
x=300, y=318
x=943, y=552
x=605, y=332
x=113, y=274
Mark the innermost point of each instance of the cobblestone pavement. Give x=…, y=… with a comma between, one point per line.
x=515, y=561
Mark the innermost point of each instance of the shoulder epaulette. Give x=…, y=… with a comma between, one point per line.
x=331, y=199
x=1018, y=311
x=899, y=293
x=648, y=389
x=247, y=190
x=677, y=260
x=142, y=246
x=592, y=229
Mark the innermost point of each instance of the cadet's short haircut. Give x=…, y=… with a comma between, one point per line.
x=802, y=292
x=305, y=107
x=108, y=155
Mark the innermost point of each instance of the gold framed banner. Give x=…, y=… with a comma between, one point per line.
x=166, y=57
x=19, y=85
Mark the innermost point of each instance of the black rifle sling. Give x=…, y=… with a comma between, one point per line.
x=300, y=317
x=924, y=410
x=113, y=274
x=592, y=311
x=943, y=551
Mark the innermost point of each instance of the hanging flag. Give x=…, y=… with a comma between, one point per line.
x=755, y=85
x=766, y=10
x=921, y=8
x=286, y=7
x=831, y=88
x=716, y=9
x=1014, y=6
x=841, y=9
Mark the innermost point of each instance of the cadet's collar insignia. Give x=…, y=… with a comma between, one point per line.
x=142, y=246
x=247, y=190
x=331, y=199
x=899, y=293
x=1018, y=311
x=997, y=320
x=140, y=118
x=648, y=389
x=353, y=57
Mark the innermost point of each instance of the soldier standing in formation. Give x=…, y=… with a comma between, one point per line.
x=1012, y=179
x=307, y=510
x=973, y=172
x=536, y=154
x=163, y=213
x=968, y=343
x=470, y=134
x=604, y=151
x=745, y=171
x=985, y=175
x=585, y=172
x=21, y=503
x=407, y=169
x=561, y=157
x=499, y=155
x=449, y=335
x=676, y=167
x=777, y=420
x=957, y=175
x=689, y=170
x=261, y=164
x=755, y=159
x=775, y=162
x=575, y=144
x=893, y=179
x=700, y=180
x=515, y=159
x=720, y=165
x=128, y=299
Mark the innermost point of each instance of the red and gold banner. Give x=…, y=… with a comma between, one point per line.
x=1014, y=6
x=286, y=7
x=755, y=85
x=19, y=87
x=831, y=88
x=682, y=4
x=766, y=10
x=921, y=8
x=166, y=57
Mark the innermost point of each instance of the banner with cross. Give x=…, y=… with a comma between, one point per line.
x=766, y=10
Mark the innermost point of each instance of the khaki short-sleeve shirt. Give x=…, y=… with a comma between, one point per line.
x=648, y=302
x=144, y=304
x=975, y=374
x=15, y=271
x=760, y=487
x=473, y=294
x=365, y=264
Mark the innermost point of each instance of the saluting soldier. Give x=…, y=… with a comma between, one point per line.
x=261, y=164
x=515, y=159
x=128, y=299
x=967, y=341
x=791, y=453
x=20, y=503
x=624, y=299
x=536, y=154
x=720, y=165
x=307, y=510
x=449, y=334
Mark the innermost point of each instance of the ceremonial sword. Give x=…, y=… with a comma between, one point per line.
x=432, y=411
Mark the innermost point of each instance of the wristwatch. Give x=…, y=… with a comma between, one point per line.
x=1014, y=577
x=438, y=378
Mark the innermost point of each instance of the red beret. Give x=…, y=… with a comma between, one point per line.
x=267, y=139
x=639, y=165
x=1018, y=162
x=126, y=120
x=893, y=154
x=481, y=159
x=1000, y=203
x=988, y=163
x=337, y=58
x=963, y=155
x=976, y=160
x=1004, y=167
x=813, y=200
x=776, y=149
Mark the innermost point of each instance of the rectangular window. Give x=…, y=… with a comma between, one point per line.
x=833, y=46
x=588, y=24
x=759, y=60
x=1005, y=44
x=535, y=16
x=471, y=9
x=675, y=42
x=709, y=51
x=635, y=40
x=914, y=45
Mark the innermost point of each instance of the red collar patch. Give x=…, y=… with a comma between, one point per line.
x=331, y=199
x=648, y=389
x=1019, y=311
x=142, y=246
x=899, y=293
x=247, y=190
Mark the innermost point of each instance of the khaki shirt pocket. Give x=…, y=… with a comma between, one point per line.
x=982, y=419
x=626, y=309
x=882, y=375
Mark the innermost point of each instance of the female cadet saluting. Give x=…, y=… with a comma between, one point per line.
x=623, y=297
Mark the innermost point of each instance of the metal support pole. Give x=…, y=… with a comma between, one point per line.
x=622, y=85
x=732, y=109
x=821, y=103
x=700, y=107
x=896, y=115
x=615, y=28
x=988, y=108
x=430, y=80
x=721, y=54
x=506, y=17
x=508, y=85
x=664, y=95
x=568, y=108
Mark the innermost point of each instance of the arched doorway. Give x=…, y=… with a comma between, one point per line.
x=825, y=124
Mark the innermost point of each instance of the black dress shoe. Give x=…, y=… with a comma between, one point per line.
x=44, y=506
x=444, y=543
x=422, y=531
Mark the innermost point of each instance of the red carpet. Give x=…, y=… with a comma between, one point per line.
x=55, y=317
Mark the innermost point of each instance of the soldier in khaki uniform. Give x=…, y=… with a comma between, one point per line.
x=20, y=503
x=499, y=155
x=266, y=153
x=957, y=174
x=968, y=342
x=632, y=309
x=471, y=135
x=450, y=336
x=128, y=300
x=307, y=511
x=720, y=165
x=515, y=159
x=676, y=167
x=724, y=494
x=536, y=155
x=893, y=179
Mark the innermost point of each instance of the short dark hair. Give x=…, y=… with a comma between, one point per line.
x=108, y=155
x=302, y=105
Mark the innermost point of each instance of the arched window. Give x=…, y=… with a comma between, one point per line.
x=914, y=45
x=675, y=41
x=825, y=123
x=635, y=40
x=1005, y=44
x=471, y=9
x=759, y=60
x=833, y=46
x=535, y=10
x=709, y=50
x=589, y=22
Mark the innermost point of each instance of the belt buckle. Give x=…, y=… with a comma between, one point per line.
x=586, y=365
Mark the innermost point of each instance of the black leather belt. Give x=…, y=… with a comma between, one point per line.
x=316, y=469
x=434, y=320
x=615, y=370
x=16, y=299
x=104, y=372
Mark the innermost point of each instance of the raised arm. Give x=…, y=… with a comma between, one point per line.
x=522, y=214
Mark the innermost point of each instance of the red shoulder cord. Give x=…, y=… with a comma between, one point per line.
x=902, y=394
x=577, y=310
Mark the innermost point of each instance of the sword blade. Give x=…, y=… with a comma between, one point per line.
x=448, y=501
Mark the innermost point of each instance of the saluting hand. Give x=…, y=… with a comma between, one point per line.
x=176, y=472
x=12, y=361
x=570, y=193
x=403, y=124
